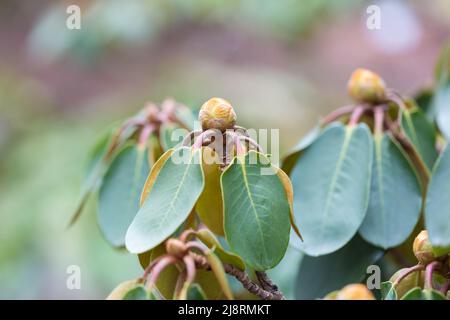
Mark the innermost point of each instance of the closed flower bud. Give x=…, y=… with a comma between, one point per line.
x=366, y=86
x=217, y=113
x=175, y=247
x=422, y=248
x=355, y=292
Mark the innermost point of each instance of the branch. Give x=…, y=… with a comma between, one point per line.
x=243, y=278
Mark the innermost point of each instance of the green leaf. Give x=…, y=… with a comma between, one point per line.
x=419, y=294
x=331, y=188
x=138, y=293
x=287, y=184
x=120, y=191
x=437, y=207
x=99, y=158
x=210, y=205
x=388, y=221
x=285, y=273
x=185, y=116
x=422, y=134
x=318, y=276
x=175, y=192
x=166, y=137
x=211, y=242
x=153, y=174
x=294, y=154
x=441, y=105
x=423, y=100
x=442, y=68
x=388, y=291
x=256, y=211
x=121, y=289
x=219, y=272
x=195, y=292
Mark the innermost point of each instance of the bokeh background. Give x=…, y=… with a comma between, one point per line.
x=282, y=64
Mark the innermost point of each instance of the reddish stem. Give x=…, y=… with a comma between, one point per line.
x=379, y=118
x=159, y=267
x=356, y=115
x=407, y=272
x=145, y=133
x=429, y=274
x=336, y=114
x=190, y=268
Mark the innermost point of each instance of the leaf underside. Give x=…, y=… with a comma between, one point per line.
x=331, y=184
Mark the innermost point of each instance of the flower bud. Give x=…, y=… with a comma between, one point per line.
x=355, y=292
x=366, y=86
x=175, y=247
x=412, y=280
x=217, y=113
x=422, y=248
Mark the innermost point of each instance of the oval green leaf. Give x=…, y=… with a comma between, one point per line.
x=389, y=220
x=441, y=102
x=318, y=276
x=388, y=291
x=437, y=207
x=256, y=211
x=137, y=293
x=331, y=184
x=166, y=137
x=422, y=134
x=170, y=201
x=294, y=154
x=153, y=174
x=118, y=200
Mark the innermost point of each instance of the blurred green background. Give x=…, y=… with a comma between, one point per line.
x=282, y=64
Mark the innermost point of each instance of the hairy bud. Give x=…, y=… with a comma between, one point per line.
x=355, y=292
x=366, y=86
x=422, y=248
x=217, y=113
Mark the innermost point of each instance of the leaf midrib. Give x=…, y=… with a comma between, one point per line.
x=171, y=204
x=379, y=156
x=247, y=188
x=345, y=145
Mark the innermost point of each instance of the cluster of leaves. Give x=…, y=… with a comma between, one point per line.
x=369, y=175
x=363, y=181
x=428, y=280
x=153, y=187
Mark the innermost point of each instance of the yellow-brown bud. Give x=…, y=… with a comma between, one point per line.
x=217, y=113
x=422, y=248
x=366, y=86
x=175, y=247
x=355, y=292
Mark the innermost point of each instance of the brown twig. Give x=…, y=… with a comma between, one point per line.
x=268, y=285
x=243, y=278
